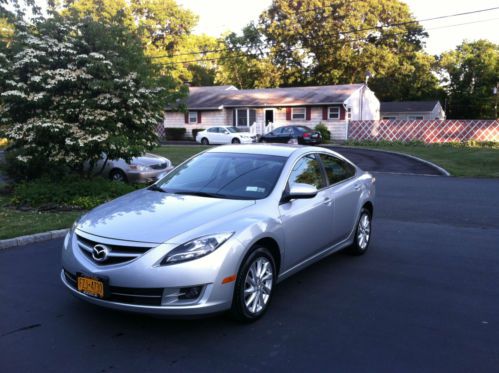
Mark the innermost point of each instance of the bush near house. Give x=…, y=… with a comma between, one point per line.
x=195, y=132
x=322, y=128
x=175, y=133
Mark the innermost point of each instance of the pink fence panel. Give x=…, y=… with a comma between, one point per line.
x=429, y=131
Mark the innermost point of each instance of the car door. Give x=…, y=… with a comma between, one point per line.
x=273, y=136
x=211, y=134
x=287, y=134
x=306, y=222
x=225, y=136
x=345, y=192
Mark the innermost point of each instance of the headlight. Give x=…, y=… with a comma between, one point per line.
x=138, y=167
x=196, y=248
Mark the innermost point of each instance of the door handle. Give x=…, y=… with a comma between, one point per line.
x=357, y=187
x=327, y=201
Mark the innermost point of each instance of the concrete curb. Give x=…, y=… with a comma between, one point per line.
x=440, y=169
x=24, y=240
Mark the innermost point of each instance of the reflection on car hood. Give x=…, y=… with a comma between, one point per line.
x=149, y=216
x=149, y=159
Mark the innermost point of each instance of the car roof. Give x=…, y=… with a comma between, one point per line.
x=282, y=150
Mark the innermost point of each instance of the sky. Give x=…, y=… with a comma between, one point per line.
x=219, y=16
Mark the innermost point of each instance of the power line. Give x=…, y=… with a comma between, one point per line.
x=350, y=31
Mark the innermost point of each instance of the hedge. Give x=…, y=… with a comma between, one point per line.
x=175, y=133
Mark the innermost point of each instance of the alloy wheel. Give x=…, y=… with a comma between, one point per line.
x=364, y=231
x=258, y=285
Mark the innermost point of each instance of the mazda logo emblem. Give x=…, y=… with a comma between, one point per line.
x=100, y=252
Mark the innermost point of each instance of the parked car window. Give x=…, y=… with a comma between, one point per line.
x=213, y=130
x=277, y=131
x=303, y=129
x=336, y=169
x=288, y=131
x=307, y=171
x=226, y=175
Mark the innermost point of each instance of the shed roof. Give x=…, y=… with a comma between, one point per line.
x=407, y=106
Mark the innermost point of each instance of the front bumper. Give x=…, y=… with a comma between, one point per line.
x=143, y=275
x=147, y=176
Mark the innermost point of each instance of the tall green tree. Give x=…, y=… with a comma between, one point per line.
x=317, y=42
x=470, y=73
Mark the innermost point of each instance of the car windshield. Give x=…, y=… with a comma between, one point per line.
x=225, y=175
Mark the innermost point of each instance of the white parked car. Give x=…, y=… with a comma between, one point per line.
x=224, y=135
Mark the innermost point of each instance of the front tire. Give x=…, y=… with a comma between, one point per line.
x=118, y=175
x=204, y=141
x=254, y=286
x=236, y=141
x=362, y=234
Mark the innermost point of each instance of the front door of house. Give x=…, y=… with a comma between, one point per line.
x=269, y=116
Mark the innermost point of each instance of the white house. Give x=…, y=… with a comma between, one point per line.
x=262, y=110
x=412, y=110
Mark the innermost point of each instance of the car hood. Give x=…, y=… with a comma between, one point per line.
x=155, y=217
x=149, y=159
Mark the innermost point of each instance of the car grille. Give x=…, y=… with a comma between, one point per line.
x=139, y=296
x=160, y=166
x=117, y=254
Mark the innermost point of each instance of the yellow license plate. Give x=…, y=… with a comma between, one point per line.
x=91, y=287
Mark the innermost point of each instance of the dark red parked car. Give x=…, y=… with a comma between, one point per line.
x=293, y=135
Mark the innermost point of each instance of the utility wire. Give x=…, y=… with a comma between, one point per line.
x=350, y=31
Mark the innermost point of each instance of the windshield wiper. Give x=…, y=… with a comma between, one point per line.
x=156, y=188
x=201, y=194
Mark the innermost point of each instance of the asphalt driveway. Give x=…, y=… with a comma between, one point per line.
x=425, y=298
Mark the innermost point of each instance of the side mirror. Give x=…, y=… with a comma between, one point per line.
x=300, y=191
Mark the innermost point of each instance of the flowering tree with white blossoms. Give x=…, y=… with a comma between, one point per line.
x=72, y=89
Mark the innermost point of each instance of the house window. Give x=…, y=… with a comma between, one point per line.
x=245, y=117
x=349, y=113
x=334, y=112
x=389, y=118
x=415, y=117
x=193, y=116
x=298, y=113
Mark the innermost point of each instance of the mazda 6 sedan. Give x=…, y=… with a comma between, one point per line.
x=220, y=231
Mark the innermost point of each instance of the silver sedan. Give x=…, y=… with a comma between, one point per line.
x=220, y=231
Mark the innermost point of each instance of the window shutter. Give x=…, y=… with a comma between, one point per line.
x=324, y=113
x=252, y=117
x=186, y=117
x=308, y=112
x=234, y=117
x=199, y=117
x=342, y=112
x=288, y=113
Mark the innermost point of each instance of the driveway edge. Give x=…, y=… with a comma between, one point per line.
x=37, y=237
x=440, y=169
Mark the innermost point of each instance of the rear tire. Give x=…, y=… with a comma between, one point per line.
x=254, y=286
x=236, y=141
x=204, y=141
x=118, y=175
x=363, y=233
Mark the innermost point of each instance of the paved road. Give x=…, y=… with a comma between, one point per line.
x=377, y=161
x=425, y=298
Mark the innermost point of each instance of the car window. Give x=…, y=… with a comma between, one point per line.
x=336, y=169
x=277, y=131
x=307, y=171
x=288, y=131
x=303, y=129
x=226, y=175
x=213, y=130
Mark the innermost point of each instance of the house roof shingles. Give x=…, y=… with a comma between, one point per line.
x=407, y=106
x=218, y=96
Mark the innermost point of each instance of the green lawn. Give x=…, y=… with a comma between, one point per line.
x=458, y=159
x=15, y=223
x=179, y=153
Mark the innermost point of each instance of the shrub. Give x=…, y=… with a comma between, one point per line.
x=322, y=128
x=69, y=192
x=175, y=133
x=195, y=132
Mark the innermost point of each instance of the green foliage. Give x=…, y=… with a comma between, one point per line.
x=72, y=88
x=175, y=133
x=470, y=73
x=195, y=132
x=69, y=192
x=322, y=128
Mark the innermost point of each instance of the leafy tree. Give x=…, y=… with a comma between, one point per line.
x=165, y=30
x=75, y=88
x=244, y=61
x=317, y=42
x=470, y=72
